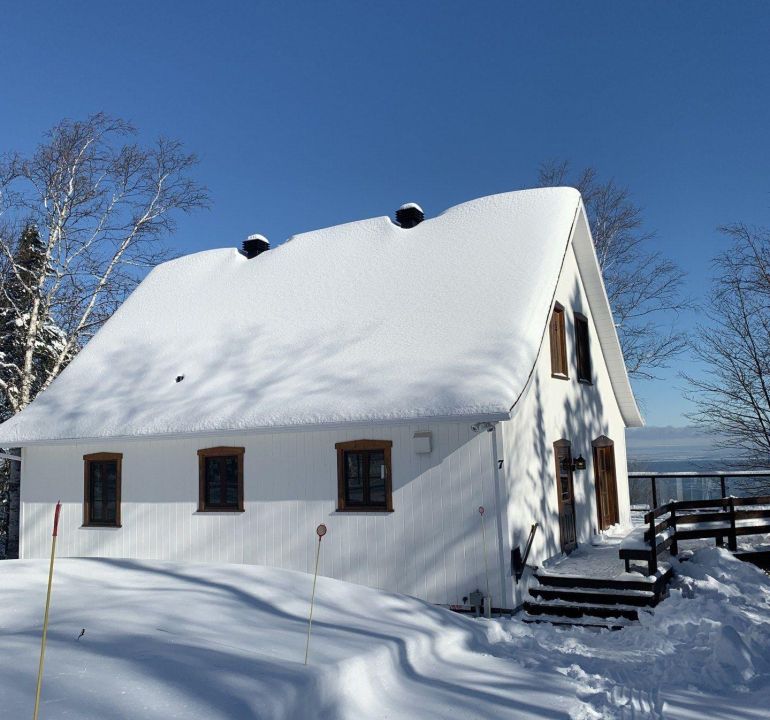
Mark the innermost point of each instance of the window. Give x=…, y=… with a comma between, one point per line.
x=220, y=479
x=558, y=343
x=582, y=348
x=363, y=476
x=101, y=497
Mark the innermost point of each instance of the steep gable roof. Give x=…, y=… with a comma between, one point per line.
x=356, y=323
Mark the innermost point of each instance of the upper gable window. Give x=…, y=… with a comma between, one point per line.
x=101, y=504
x=558, y=343
x=363, y=476
x=582, y=348
x=220, y=479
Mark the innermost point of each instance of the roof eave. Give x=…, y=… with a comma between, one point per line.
x=596, y=293
x=497, y=416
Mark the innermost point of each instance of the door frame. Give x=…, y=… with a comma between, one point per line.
x=603, y=443
x=559, y=445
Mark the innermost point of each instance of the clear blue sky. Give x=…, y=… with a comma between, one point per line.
x=315, y=113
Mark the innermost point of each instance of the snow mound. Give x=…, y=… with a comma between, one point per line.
x=181, y=640
x=361, y=322
x=703, y=653
x=194, y=641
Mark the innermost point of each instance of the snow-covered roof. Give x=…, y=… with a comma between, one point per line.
x=362, y=322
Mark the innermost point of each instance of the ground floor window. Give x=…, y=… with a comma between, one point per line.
x=364, y=481
x=101, y=504
x=220, y=479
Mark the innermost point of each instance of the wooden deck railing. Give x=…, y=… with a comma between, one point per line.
x=726, y=478
x=721, y=518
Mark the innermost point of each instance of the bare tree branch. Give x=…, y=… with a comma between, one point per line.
x=644, y=287
x=102, y=205
x=732, y=398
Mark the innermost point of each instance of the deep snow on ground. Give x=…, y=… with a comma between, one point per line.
x=180, y=640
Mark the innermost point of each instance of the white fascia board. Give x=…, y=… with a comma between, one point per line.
x=489, y=417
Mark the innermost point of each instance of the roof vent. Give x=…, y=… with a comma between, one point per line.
x=254, y=245
x=409, y=215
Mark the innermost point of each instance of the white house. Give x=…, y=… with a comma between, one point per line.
x=385, y=379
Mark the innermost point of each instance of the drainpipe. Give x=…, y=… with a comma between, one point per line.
x=498, y=518
x=491, y=427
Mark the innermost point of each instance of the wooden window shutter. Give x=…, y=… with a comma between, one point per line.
x=558, y=339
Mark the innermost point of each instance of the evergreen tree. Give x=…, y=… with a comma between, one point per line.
x=22, y=286
x=22, y=281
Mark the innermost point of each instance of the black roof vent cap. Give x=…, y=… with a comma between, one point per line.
x=255, y=245
x=409, y=215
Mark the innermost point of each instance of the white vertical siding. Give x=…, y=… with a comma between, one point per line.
x=552, y=409
x=430, y=546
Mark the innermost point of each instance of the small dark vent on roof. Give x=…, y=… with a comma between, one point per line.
x=254, y=245
x=409, y=215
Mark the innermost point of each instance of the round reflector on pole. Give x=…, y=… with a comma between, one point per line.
x=321, y=530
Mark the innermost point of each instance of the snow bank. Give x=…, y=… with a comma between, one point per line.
x=703, y=653
x=180, y=640
x=195, y=641
x=360, y=322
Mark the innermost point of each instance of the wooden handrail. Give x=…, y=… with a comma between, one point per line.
x=726, y=513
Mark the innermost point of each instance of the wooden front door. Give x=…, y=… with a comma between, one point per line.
x=566, y=493
x=606, y=483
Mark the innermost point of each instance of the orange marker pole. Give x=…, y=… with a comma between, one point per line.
x=488, y=608
x=47, y=606
x=320, y=531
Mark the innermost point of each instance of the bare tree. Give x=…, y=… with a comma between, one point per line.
x=81, y=220
x=732, y=397
x=643, y=286
x=101, y=205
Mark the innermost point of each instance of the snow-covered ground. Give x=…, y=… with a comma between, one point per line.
x=176, y=640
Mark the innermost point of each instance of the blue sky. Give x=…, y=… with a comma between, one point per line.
x=310, y=114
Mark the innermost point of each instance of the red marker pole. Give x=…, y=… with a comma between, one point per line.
x=320, y=531
x=47, y=606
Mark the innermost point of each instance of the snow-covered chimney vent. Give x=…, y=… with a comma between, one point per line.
x=254, y=245
x=409, y=215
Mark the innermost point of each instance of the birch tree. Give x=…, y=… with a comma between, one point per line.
x=101, y=205
x=92, y=206
x=644, y=287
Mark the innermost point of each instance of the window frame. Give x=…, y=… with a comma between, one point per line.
x=558, y=341
x=583, y=345
x=384, y=446
x=218, y=452
x=88, y=460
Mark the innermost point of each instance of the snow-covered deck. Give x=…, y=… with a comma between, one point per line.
x=600, y=560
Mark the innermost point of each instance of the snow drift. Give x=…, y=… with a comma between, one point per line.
x=194, y=641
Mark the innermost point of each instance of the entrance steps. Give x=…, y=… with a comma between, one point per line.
x=591, y=601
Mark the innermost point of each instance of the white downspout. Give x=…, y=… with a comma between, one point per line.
x=498, y=519
x=491, y=427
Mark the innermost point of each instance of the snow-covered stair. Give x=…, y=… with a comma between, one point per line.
x=599, y=602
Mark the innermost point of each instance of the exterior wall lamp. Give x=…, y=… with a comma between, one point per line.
x=579, y=463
